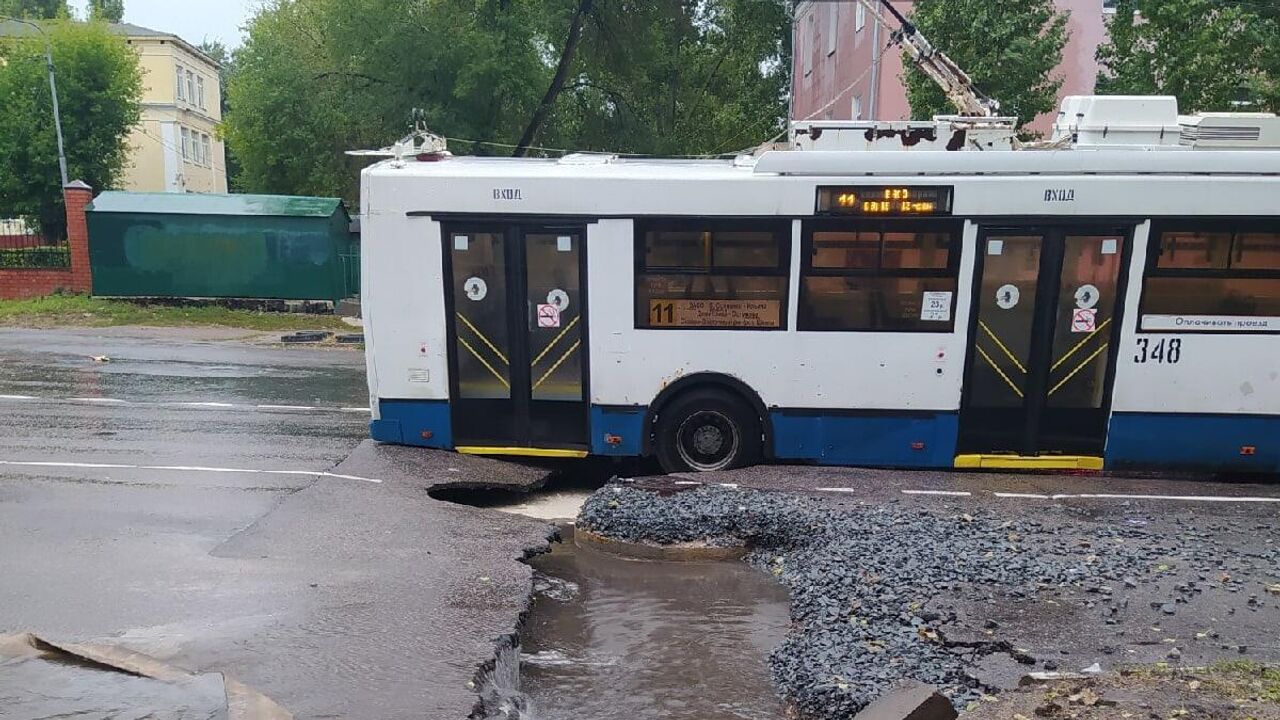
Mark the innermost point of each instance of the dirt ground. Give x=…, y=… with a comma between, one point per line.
x=1226, y=691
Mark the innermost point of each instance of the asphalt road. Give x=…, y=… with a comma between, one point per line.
x=210, y=502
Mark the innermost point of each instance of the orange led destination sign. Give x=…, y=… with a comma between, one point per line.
x=885, y=200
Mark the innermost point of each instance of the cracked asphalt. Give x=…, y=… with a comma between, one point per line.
x=212, y=501
x=153, y=502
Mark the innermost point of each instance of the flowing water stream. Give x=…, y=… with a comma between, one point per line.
x=614, y=638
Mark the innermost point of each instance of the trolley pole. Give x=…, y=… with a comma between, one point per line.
x=53, y=90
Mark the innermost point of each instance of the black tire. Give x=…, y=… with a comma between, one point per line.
x=707, y=429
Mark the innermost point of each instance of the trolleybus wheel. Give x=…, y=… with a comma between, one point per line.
x=706, y=430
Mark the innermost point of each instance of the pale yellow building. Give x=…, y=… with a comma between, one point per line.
x=176, y=146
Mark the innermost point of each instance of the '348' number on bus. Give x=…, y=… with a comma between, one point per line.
x=1163, y=351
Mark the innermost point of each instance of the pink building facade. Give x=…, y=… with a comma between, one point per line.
x=841, y=69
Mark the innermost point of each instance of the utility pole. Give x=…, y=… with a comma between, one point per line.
x=53, y=89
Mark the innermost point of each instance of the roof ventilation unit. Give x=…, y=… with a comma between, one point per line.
x=945, y=132
x=1223, y=131
x=1118, y=121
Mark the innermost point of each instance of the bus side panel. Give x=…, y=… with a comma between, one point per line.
x=1192, y=400
x=919, y=440
x=404, y=322
x=804, y=374
x=1235, y=443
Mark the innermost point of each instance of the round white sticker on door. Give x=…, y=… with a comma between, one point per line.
x=475, y=288
x=1007, y=296
x=559, y=298
x=1087, y=296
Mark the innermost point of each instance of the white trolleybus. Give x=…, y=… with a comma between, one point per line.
x=881, y=294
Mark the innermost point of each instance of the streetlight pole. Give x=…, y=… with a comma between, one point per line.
x=53, y=89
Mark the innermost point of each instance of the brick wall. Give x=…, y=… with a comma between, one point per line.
x=21, y=283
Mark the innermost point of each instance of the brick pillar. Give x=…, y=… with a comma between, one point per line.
x=77, y=196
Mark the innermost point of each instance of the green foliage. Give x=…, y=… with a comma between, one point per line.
x=99, y=87
x=318, y=77
x=1009, y=48
x=1211, y=54
x=34, y=9
x=107, y=10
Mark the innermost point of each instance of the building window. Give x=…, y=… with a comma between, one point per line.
x=206, y=148
x=180, y=87
x=191, y=86
x=860, y=19
x=833, y=26
x=869, y=275
x=712, y=274
x=200, y=91
x=186, y=144
x=855, y=111
x=1215, y=276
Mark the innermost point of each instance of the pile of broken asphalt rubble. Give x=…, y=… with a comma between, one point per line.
x=875, y=589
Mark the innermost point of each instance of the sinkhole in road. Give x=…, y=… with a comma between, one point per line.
x=610, y=637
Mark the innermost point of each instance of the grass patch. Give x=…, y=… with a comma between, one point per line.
x=82, y=310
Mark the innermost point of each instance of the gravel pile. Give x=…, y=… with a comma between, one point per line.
x=873, y=587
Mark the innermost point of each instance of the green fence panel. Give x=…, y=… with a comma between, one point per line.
x=138, y=252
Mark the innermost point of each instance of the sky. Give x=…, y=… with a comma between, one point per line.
x=191, y=20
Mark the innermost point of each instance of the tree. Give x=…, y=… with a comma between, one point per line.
x=34, y=9
x=1211, y=54
x=99, y=88
x=107, y=10
x=318, y=77
x=1010, y=49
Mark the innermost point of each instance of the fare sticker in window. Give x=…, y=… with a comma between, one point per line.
x=936, y=307
x=715, y=313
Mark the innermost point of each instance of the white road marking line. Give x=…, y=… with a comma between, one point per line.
x=184, y=468
x=946, y=493
x=1187, y=498
x=686, y=482
x=1033, y=496
x=728, y=485
x=836, y=490
x=207, y=404
x=191, y=404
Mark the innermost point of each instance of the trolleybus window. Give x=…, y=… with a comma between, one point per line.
x=696, y=273
x=879, y=275
x=1223, y=277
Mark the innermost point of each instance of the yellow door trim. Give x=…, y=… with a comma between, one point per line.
x=1021, y=462
x=522, y=451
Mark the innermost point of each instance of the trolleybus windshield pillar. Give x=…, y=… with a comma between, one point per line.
x=1038, y=379
x=517, y=318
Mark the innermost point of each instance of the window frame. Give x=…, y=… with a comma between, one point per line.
x=951, y=271
x=185, y=134
x=206, y=149
x=833, y=27
x=181, y=78
x=191, y=86
x=780, y=228
x=1233, y=225
x=200, y=91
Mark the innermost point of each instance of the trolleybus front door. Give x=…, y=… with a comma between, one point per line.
x=1038, y=381
x=516, y=335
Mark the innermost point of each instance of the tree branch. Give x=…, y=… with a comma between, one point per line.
x=557, y=80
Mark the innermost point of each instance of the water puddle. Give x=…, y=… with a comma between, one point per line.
x=609, y=637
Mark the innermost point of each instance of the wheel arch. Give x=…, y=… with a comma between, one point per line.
x=703, y=380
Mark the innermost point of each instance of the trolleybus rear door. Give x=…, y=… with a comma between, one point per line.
x=516, y=328
x=1038, y=381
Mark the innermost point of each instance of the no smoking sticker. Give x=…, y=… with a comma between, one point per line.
x=1084, y=320
x=548, y=316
